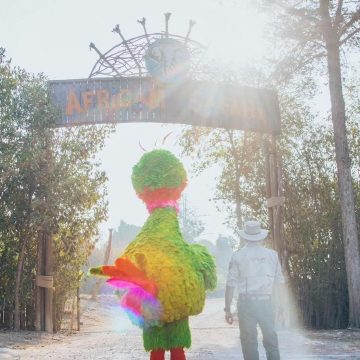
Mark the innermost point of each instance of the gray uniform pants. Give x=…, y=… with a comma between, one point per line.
x=252, y=312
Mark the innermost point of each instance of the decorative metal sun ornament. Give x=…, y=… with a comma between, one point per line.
x=164, y=56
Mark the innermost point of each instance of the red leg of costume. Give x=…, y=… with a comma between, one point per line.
x=157, y=355
x=177, y=354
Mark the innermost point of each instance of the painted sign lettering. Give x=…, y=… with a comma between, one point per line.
x=202, y=103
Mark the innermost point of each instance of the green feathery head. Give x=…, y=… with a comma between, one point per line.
x=158, y=169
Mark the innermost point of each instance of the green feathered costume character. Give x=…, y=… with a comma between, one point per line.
x=160, y=278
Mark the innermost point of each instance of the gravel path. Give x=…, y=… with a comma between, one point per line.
x=107, y=334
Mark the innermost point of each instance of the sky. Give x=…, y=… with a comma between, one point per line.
x=53, y=36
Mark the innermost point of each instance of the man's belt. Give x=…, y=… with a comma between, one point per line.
x=254, y=297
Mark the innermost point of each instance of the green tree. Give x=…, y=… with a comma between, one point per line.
x=25, y=120
x=239, y=157
x=78, y=194
x=50, y=184
x=322, y=30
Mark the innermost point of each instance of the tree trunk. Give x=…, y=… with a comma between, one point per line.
x=78, y=308
x=18, y=285
x=351, y=243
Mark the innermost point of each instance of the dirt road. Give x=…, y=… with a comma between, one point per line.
x=107, y=334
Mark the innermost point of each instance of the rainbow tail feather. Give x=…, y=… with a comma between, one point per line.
x=142, y=307
x=136, y=291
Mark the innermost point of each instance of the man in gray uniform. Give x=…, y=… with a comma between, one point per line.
x=254, y=270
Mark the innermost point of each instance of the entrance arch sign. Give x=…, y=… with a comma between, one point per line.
x=151, y=78
x=143, y=99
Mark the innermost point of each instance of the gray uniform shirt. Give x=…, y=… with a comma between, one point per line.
x=254, y=269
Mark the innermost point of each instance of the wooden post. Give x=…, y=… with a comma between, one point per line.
x=266, y=147
x=45, y=315
x=40, y=292
x=275, y=203
x=49, y=291
x=45, y=284
x=106, y=260
x=281, y=213
x=275, y=196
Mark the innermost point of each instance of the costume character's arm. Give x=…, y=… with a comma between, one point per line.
x=206, y=265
